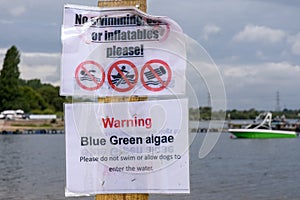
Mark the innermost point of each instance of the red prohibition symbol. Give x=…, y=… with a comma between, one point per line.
x=122, y=76
x=156, y=75
x=90, y=75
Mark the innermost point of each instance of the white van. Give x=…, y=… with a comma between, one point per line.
x=12, y=114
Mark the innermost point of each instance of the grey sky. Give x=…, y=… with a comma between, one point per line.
x=255, y=43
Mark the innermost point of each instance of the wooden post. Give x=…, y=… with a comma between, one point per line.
x=142, y=5
x=122, y=197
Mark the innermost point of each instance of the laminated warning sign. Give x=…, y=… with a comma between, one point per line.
x=120, y=52
x=127, y=147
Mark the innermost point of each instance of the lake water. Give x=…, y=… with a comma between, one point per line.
x=33, y=167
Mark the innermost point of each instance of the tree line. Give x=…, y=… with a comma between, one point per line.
x=32, y=96
x=206, y=113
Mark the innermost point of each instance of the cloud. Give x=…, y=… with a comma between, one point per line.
x=254, y=86
x=2, y=52
x=17, y=11
x=261, y=55
x=13, y=8
x=210, y=29
x=253, y=33
x=264, y=73
x=2, y=55
x=295, y=44
x=3, y=21
x=43, y=66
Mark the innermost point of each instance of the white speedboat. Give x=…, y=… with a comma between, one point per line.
x=262, y=128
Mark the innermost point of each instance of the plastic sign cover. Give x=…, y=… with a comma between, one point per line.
x=120, y=51
x=136, y=147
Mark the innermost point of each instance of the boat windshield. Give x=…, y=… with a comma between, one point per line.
x=262, y=121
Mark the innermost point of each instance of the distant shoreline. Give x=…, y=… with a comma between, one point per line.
x=37, y=126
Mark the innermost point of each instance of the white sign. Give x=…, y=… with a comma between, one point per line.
x=120, y=51
x=128, y=147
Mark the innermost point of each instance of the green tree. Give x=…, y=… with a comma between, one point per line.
x=51, y=96
x=9, y=80
x=205, y=113
x=31, y=100
x=33, y=83
x=48, y=92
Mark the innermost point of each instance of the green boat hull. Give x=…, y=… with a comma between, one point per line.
x=262, y=134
